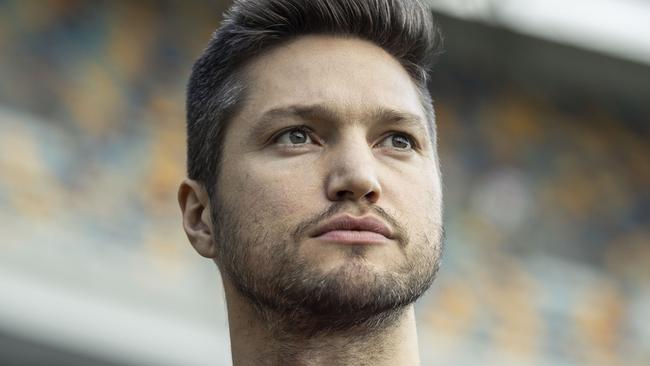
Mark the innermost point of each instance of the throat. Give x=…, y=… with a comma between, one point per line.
x=262, y=337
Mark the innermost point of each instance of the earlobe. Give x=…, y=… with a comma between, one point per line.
x=195, y=210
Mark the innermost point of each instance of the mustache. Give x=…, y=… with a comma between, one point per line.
x=339, y=207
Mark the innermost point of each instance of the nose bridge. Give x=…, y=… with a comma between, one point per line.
x=353, y=172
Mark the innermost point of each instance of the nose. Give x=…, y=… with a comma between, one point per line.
x=353, y=174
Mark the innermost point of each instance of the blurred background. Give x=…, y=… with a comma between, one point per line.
x=544, y=124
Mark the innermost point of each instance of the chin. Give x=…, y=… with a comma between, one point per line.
x=358, y=274
x=351, y=261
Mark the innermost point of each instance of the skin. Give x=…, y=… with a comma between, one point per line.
x=353, y=159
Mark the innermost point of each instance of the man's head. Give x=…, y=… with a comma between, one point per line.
x=313, y=174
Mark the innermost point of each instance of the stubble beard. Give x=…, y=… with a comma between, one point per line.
x=293, y=297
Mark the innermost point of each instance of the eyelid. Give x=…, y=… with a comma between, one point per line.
x=415, y=144
x=310, y=132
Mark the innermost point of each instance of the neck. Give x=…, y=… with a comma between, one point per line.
x=261, y=339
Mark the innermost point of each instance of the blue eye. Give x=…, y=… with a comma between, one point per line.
x=398, y=141
x=295, y=136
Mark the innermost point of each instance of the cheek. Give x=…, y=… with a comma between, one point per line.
x=270, y=194
x=418, y=198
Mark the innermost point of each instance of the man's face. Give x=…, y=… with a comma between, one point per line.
x=329, y=199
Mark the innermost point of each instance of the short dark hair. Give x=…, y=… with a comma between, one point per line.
x=404, y=28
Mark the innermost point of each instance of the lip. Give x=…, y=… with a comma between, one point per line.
x=348, y=229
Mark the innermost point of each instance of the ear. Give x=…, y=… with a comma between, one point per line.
x=197, y=221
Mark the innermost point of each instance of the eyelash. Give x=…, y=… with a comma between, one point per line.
x=302, y=128
x=308, y=131
x=409, y=137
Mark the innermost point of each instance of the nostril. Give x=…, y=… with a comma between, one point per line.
x=372, y=196
x=353, y=186
x=344, y=195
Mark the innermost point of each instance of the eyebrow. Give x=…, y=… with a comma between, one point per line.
x=319, y=112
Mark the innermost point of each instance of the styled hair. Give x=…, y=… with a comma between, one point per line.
x=216, y=88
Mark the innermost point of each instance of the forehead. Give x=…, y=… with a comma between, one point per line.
x=349, y=75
